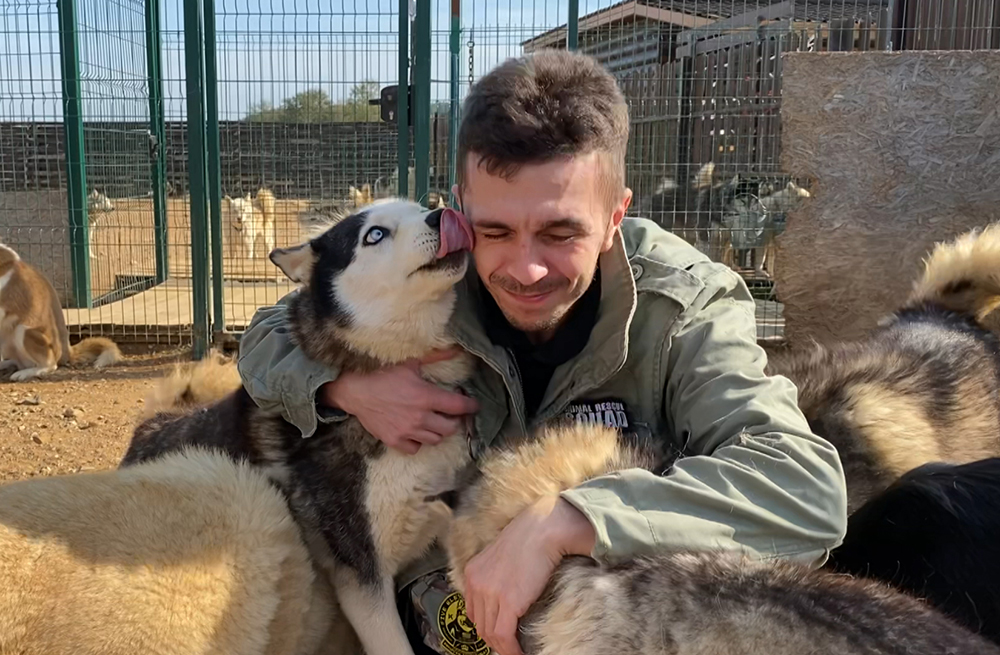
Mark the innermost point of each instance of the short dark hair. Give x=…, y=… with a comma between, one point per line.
x=540, y=107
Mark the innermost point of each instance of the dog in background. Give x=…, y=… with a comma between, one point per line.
x=679, y=602
x=34, y=340
x=377, y=288
x=253, y=218
x=388, y=187
x=924, y=386
x=753, y=218
x=97, y=204
x=360, y=197
x=934, y=534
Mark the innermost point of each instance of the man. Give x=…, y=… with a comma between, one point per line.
x=574, y=311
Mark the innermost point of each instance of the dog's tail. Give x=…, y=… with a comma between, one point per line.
x=193, y=384
x=98, y=351
x=266, y=200
x=962, y=275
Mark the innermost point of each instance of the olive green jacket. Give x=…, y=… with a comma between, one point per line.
x=673, y=354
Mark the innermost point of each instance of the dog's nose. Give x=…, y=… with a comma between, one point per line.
x=434, y=219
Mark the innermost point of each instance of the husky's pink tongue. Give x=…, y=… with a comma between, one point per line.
x=456, y=233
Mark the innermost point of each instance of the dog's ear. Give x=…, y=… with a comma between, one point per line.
x=703, y=178
x=295, y=262
x=228, y=199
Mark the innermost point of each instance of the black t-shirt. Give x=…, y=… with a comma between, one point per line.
x=537, y=363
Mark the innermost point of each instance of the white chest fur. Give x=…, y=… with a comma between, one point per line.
x=404, y=524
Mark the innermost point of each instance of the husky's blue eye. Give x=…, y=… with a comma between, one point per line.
x=374, y=235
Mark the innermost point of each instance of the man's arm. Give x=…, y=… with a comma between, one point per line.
x=394, y=404
x=759, y=480
x=278, y=375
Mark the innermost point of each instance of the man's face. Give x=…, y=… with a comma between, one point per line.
x=539, y=235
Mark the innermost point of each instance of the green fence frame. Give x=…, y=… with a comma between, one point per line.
x=76, y=158
x=76, y=197
x=194, y=51
x=413, y=112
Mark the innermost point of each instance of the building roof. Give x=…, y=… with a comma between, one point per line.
x=805, y=10
x=688, y=14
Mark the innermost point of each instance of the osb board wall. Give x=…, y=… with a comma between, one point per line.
x=34, y=223
x=903, y=150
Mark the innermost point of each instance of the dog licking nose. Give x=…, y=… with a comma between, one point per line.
x=456, y=233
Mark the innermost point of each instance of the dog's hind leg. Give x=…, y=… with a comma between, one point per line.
x=35, y=347
x=269, y=236
x=372, y=612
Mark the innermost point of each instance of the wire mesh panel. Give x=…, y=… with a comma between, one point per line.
x=33, y=182
x=297, y=135
x=79, y=169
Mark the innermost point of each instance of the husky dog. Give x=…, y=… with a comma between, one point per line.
x=387, y=187
x=253, y=217
x=192, y=385
x=922, y=387
x=776, y=205
x=34, y=340
x=378, y=289
x=192, y=553
x=753, y=219
x=681, y=603
x=360, y=197
x=97, y=204
x=933, y=534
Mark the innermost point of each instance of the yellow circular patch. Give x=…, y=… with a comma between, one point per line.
x=458, y=635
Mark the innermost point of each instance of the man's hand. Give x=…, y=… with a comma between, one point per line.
x=398, y=407
x=509, y=575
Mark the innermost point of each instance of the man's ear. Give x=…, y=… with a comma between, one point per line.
x=617, y=215
x=295, y=262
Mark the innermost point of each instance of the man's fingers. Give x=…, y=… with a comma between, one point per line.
x=441, y=425
x=506, y=634
x=439, y=355
x=406, y=446
x=451, y=403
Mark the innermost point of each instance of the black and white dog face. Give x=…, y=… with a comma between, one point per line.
x=382, y=264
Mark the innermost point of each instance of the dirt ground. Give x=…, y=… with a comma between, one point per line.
x=75, y=419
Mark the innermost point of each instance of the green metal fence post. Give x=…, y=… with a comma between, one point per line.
x=214, y=168
x=573, y=25
x=403, y=100
x=422, y=99
x=76, y=197
x=154, y=79
x=456, y=45
x=195, y=74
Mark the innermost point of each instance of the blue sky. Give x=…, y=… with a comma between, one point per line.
x=267, y=50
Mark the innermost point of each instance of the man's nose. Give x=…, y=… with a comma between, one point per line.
x=528, y=266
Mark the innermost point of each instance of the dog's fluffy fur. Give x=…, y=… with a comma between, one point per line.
x=681, y=603
x=254, y=217
x=375, y=293
x=34, y=340
x=192, y=385
x=193, y=553
x=934, y=534
x=923, y=386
